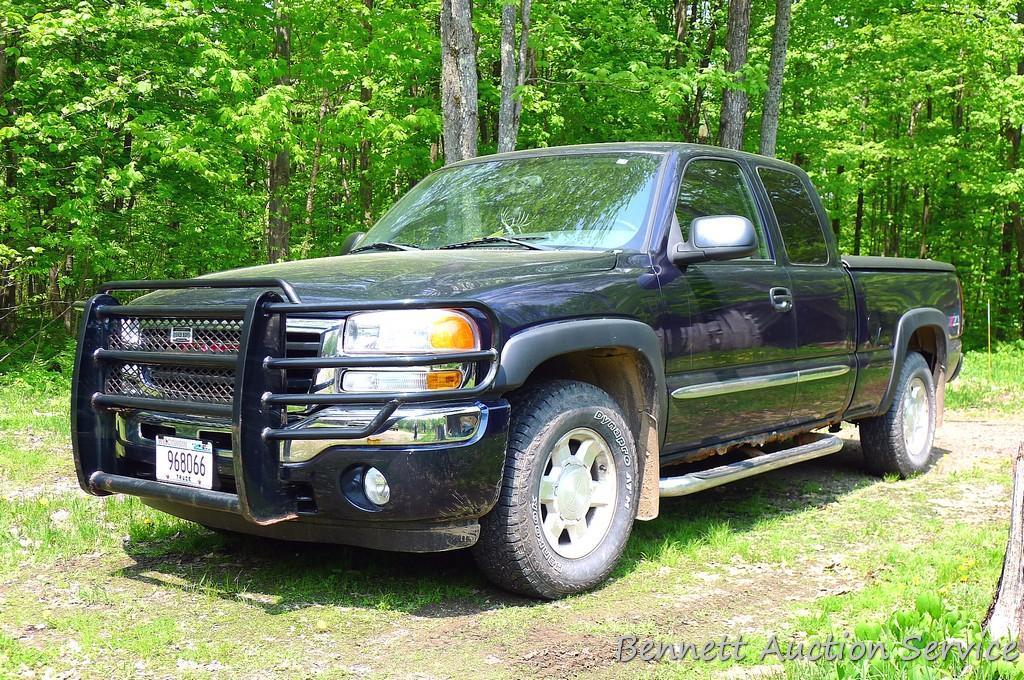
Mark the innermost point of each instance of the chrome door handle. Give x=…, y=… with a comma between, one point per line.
x=781, y=298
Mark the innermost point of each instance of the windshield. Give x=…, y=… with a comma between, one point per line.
x=595, y=201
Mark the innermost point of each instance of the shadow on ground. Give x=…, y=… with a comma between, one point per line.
x=279, y=576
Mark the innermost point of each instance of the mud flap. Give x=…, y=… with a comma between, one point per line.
x=647, y=508
x=940, y=396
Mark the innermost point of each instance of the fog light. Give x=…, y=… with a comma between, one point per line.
x=375, y=485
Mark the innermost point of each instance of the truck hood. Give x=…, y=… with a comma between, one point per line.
x=469, y=273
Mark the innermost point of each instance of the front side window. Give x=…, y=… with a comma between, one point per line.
x=797, y=218
x=717, y=187
x=589, y=201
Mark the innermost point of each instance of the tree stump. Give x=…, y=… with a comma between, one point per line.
x=1005, y=617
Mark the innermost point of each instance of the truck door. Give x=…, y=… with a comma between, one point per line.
x=740, y=338
x=822, y=296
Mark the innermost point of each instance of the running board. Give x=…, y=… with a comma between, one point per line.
x=705, y=479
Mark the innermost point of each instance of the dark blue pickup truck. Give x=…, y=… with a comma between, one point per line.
x=521, y=357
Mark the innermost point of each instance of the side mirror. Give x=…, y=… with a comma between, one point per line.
x=717, y=237
x=351, y=241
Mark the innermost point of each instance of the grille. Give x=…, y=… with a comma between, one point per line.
x=193, y=336
x=301, y=344
x=211, y=385
x=207, y=336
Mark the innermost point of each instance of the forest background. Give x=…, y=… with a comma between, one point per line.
x=144, y=139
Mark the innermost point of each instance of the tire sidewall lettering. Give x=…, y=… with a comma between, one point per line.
x=542, y=542
x=620, y=442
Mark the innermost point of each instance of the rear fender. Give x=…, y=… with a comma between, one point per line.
x=910, y=323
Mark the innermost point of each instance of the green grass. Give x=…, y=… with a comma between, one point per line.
x=35, y=421
x=1000, y=387
x=111, y=588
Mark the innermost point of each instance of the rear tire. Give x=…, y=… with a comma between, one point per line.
x=900, y=440
x=568, y=496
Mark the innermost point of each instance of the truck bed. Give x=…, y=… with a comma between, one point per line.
x=869, y=262
x=886, y=289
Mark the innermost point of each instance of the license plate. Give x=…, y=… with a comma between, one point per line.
x=184, y=461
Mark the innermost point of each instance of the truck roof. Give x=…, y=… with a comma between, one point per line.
x=632, y=147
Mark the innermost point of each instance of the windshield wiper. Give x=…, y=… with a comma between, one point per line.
x=493, y=239
x=384, y=245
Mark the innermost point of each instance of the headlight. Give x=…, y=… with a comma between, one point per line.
x=414, y=331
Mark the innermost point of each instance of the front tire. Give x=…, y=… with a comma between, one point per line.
x=568, y=496
x=900, y=440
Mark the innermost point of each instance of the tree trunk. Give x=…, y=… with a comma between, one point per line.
x=8, y=285
x=734, y=101
x=278, y=217
x=506, y=110
x=858, y=222
x=458, y=81
x=876, y=207
x=365, y=145
x=925, y=214
x=901, y=213
x=344, y=170
x=8, y=75
x=524, y=59
x=53, y=297
x=1005, y=617
x=886, y=226
x=836, y=204
x=314, y=170
x=776, y=69
x=680, y=17
x=692, y=131
x=8, y=301
x=278, y=213
x=514, y=71
x=1016, y=219
x=1013, y=229
x=1018, y=230
x=1006, y=257
x=958, y=101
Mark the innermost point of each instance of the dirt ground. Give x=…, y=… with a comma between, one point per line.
x=750, y=599
x=669, y=587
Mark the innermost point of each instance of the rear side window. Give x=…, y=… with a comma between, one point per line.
x=797, y=218
x=717, y=187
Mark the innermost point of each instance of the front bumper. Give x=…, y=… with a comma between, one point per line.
x=438, y=491
x=295, y=475
x=433, y=482
x=411, y=426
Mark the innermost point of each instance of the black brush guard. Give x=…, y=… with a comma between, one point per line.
x=258, y=411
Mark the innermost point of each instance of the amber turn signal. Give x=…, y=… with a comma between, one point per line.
x=444, y=380
x=453, y=332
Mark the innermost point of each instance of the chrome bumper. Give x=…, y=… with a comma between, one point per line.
x=407, y=426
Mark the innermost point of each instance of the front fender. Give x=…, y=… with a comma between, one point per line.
x=528, y=349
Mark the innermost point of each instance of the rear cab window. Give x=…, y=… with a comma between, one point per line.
x=801, y=230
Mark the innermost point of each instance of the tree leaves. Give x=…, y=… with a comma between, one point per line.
x=135, y=137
